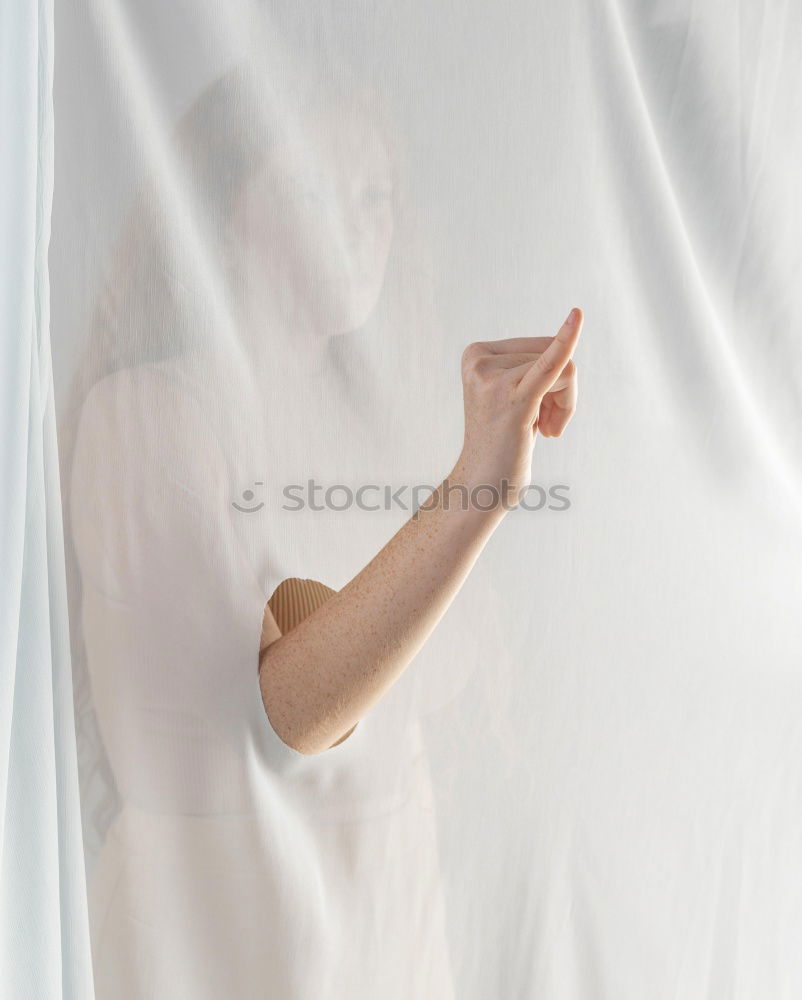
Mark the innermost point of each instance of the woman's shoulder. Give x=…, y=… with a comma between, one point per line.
x=148, y=403
x=147, y=418
x=162, y=383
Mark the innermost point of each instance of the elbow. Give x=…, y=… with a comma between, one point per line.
x=277, y=716
x=299, y=742
x=306, y=744
x=298, y=735
x=292, y=737
x=295, y=736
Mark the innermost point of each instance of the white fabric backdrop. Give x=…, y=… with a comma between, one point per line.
x=589, y=782
x=44, y=930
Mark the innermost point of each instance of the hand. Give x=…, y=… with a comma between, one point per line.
x=512, y=389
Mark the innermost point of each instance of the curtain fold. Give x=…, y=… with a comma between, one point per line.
x=44, y=944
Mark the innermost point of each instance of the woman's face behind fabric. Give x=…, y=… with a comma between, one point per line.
x=313, y=228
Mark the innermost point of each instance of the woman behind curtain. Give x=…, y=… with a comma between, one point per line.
x=231, y=356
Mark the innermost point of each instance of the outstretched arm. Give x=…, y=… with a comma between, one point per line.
x=321, y=677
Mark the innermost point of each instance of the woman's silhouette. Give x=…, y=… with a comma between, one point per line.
x=230, y=356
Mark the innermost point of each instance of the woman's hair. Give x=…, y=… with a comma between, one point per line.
x=169, y=275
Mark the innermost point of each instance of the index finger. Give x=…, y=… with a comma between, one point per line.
x=544, y=372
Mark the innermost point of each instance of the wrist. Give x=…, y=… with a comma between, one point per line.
x=463, y=506
x=466, y=487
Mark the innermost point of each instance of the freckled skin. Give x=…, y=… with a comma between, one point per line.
x=325, y=674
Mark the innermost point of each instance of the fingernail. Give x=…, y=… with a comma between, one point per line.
x=570, y=318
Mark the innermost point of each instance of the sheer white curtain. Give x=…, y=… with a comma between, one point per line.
x=276, y=225
x=44, y=939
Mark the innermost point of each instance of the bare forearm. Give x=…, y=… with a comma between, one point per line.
x=321, y=678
